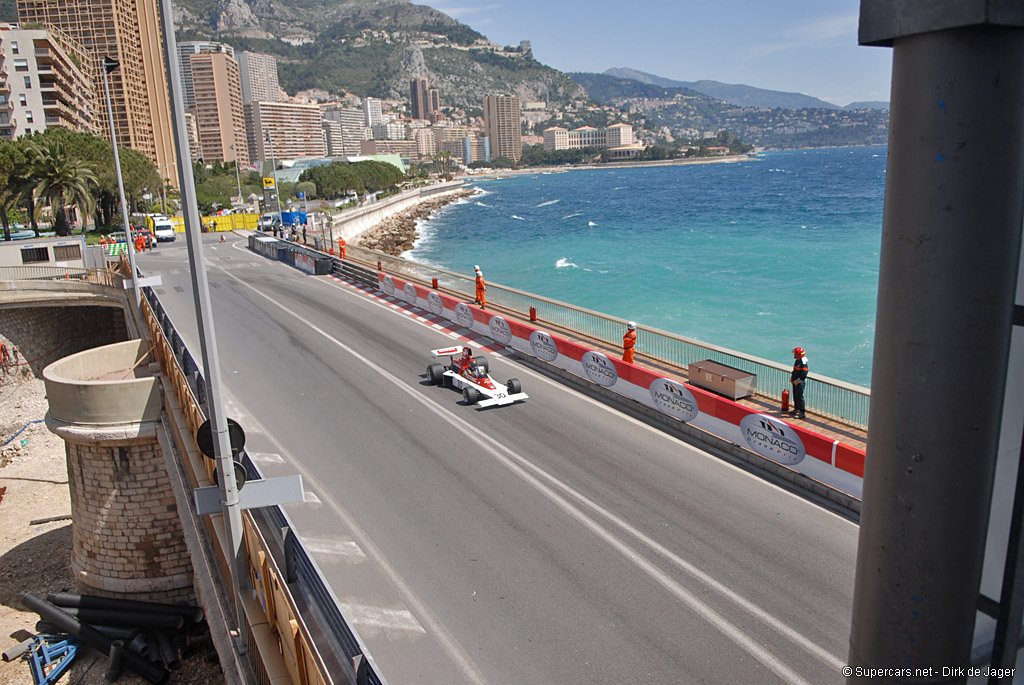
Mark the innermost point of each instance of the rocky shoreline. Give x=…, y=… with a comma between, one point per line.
x=396, y=234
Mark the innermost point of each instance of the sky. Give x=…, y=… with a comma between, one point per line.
x=796, y=46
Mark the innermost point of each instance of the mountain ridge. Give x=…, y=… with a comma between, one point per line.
x=739, y=94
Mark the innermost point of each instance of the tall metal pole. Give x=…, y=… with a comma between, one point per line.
x=207, y=338
x=109, y=65
x=951, y=245
x=277, y=188
x=238, y=181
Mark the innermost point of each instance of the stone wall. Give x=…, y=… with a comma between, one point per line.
x=41, y=335
x=127, y=536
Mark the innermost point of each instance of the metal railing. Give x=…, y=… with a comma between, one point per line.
x=828, y=397
x=61, y=273
x=276, y=628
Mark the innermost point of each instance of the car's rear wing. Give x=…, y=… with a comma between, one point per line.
x=447, y=351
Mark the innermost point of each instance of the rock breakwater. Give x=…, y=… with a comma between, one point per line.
x=396, y=234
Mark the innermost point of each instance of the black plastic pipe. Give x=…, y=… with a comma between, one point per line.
x=71, y=599
x=92, y=637
x=127, y=619
x=113, y=632
x=114, y=660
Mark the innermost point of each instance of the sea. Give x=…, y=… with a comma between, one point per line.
x=757, y=256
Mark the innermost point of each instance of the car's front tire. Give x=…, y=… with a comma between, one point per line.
x=470, y=395
x=514, y=386
x=435, y=374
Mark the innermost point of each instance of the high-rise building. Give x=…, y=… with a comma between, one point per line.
x=501, y=122
x=352, y=129
x=293, y=131
x=220, y=118
x=334, y=138
x=185, y=52
x=47, y=82
x=426, y=101
x=259, y=78
x=193, y=136
x=128, y=32
x=372, y=112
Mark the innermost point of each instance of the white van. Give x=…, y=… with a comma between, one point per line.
x=163, y=229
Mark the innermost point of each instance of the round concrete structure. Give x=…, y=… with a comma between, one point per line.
x=105, y=403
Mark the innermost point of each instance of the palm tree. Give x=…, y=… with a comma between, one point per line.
x=62, y=181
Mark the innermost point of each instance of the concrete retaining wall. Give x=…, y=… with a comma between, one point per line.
x=352, y=223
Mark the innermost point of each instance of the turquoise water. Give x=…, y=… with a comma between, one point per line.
x=757, y=256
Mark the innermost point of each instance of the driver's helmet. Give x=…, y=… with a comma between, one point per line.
x=477, y=372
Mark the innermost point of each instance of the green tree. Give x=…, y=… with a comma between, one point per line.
x=61, y=179
x=12, y=166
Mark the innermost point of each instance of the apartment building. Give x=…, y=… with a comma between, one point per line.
x=406, y=149
x=334, y=138
x=193, y=136
x=185, y=52
x=284, y=129
x=426, y=142
x=46, y=81
x=351, y=127
x=130, y=33
x=259, y=78
x=220, y=118
x=373, y=112
x=393, y=130
x=426, y=101
x=501, y=124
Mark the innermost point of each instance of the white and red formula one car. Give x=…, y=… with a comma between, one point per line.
x=470, y=375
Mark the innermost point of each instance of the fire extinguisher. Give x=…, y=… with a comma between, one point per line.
x=785, y=400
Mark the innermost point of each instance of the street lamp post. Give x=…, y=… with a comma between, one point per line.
x=273, y=171
x=238, y=181
x=109, y=65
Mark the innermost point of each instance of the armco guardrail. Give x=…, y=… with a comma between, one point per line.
x=828, y=397
x=294, y=626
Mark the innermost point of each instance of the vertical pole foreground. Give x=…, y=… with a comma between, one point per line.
x=951, y=245
x=108, y=66
x=207, y=337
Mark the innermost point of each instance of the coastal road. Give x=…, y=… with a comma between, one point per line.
x=553, y=541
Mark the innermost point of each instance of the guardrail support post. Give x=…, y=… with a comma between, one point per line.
x=951, y=246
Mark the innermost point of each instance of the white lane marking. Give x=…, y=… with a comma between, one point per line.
x=536, y=375
x=334, y=547
x=448, y=643
x=309, y=497
x=519, y=465
x=369, y=618
x=266, y=457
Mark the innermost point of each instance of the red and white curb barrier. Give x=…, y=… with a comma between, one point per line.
x=812, y=454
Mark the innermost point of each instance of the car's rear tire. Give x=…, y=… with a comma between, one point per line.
x=470, y=395
x=435, y=374
x=482, y=361
x=514, y=386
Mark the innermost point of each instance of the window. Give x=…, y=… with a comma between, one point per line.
x=66, y=253
x=14, y=47
x=28, y=116
x=34, y=255
x=21, y=65
x=22, y=100
x=28, y=82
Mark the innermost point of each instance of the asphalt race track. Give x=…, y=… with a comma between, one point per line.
x=552, y=541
